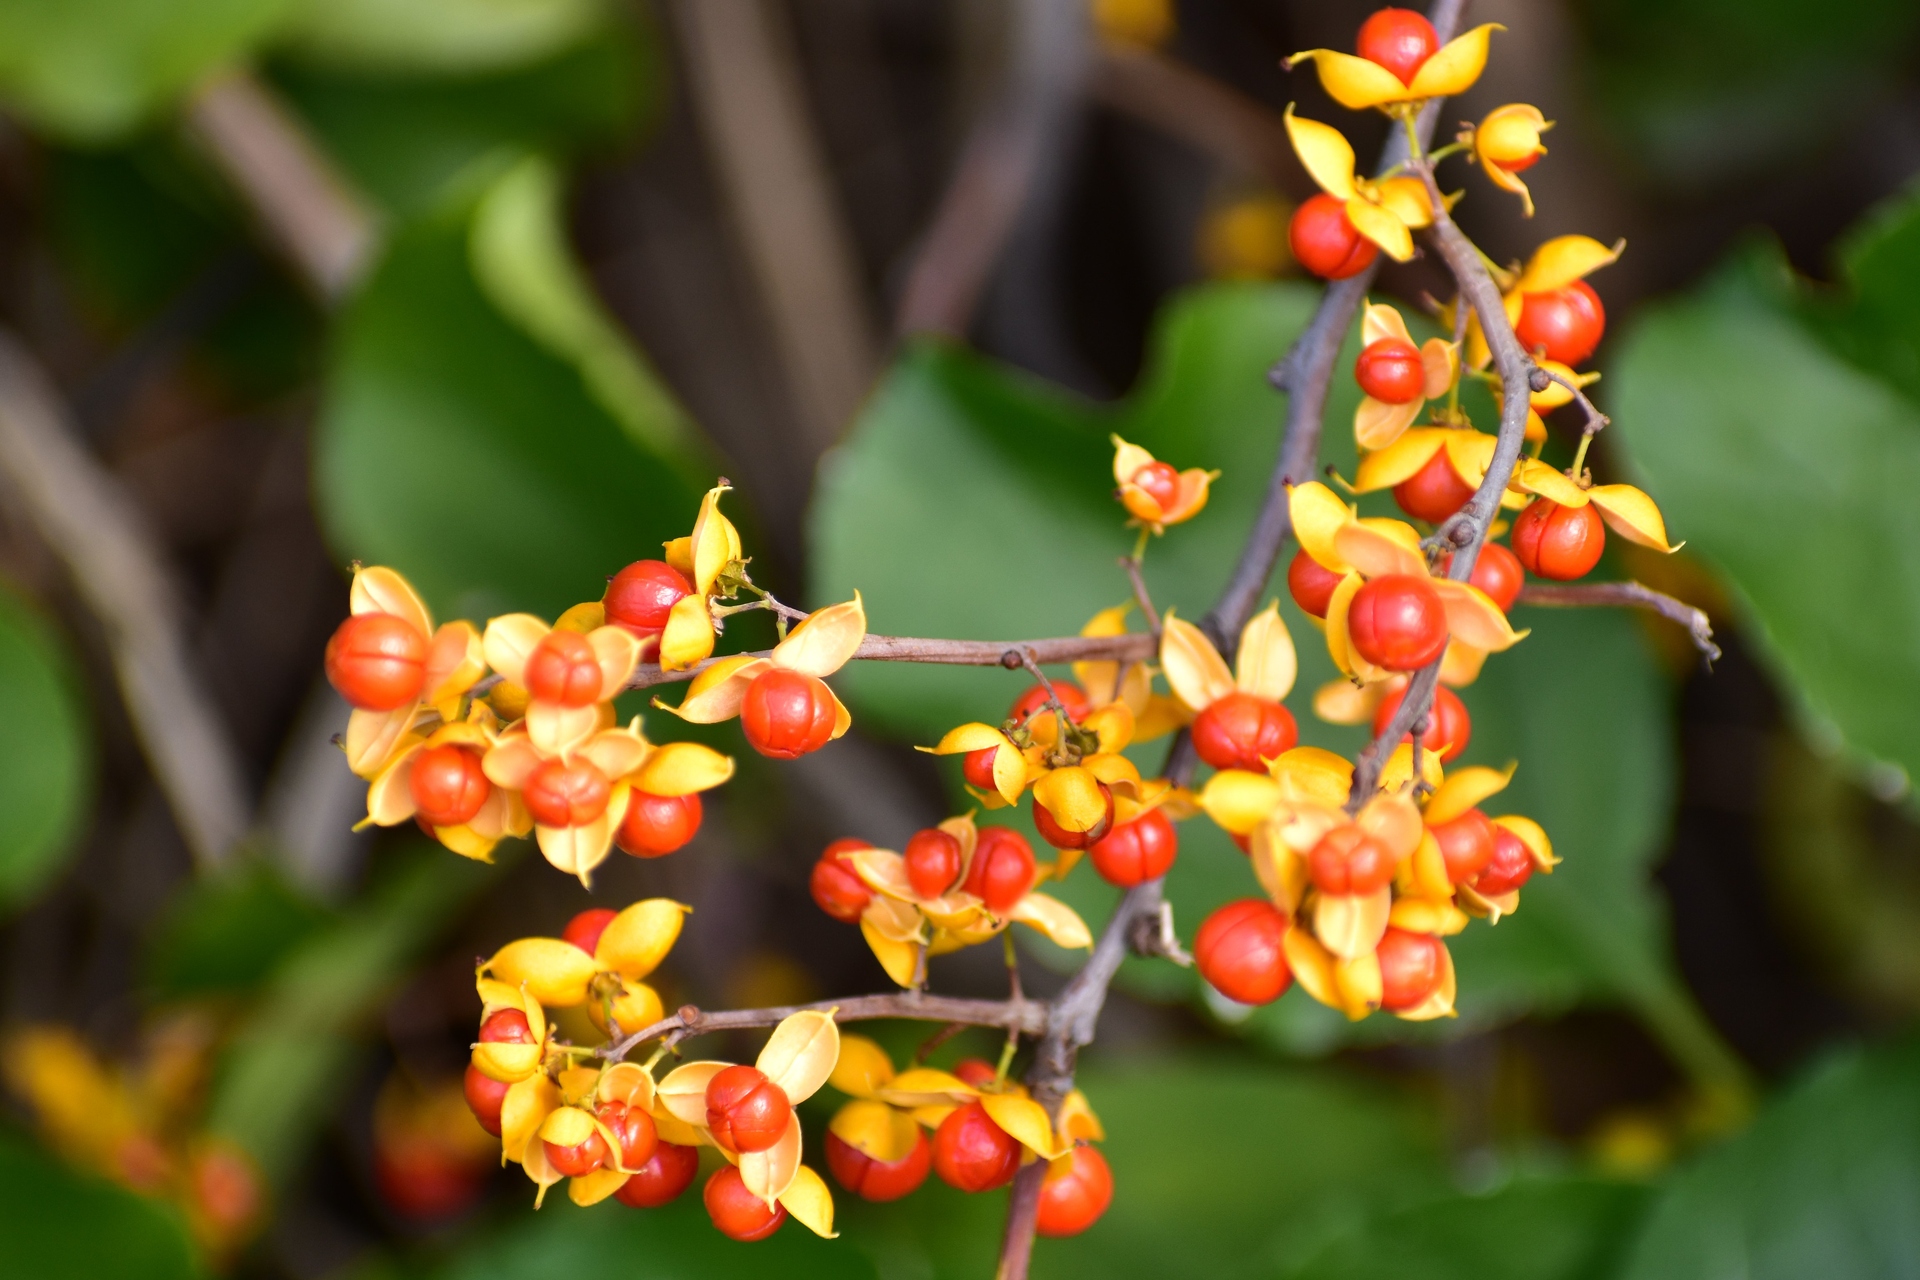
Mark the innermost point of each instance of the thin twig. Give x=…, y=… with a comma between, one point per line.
x=1011, y=654
x=1140, y=596
x=1596, y=420
x=1632, y=595
x=1020, y=1014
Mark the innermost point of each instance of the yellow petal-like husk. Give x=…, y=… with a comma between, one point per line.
x=1111, y=725
x=683, y=768
x=919, y=1087
x=1238, y=801
x=1195, y=671
x=1439, y=366
x=1076, y=1121
x=1351, y=924
x=1455, y=65
x=1060, y=923
x=1398, y=770
x=586, y=617
x=616, y=752
x=1025, y=1122
x=525, y=1107
x=374, y=736
x=378, y=589
x=1072, y=796
x=874, y=1129
x=1393, y=820
x=1437, y=916
x=1464, y=789
x=682, y=1092
x=862, y=1069
x=714, y=542
x=1534, y=836
x=1325, y=153
x=1343, y=702
x=826, y=641
x=1378, y=546
x=1379, y=425
x=899, y=959
x=1400, y=459
x=1379, y=321
x=635, y=942
x=390, y=795
x=971, y=737
x=1338, y=648
x=1312, y=775
x=715, y=693
x=687, y=639
x=507, y=642
x=809, y=1203
x=628, y=1083
x=767, y=1174
x=510, y=762
x=800, y=1054
x=1440, y=1003
x=555, y=730
x=456, y=659
x=1317, y=514
x=1381, y=227
x=1312, y=966
x=554, y=972
x=1471, y=453
x=1359, y=983
x=579, y=850
x=1266, y=665
x=1562, y=260
x=1405, y=199
x=617, y=651
x=507, y=1063
x=594, y=1187
x=1127, y=459
x=1533, y=476
x=1632, y=514
x=1460, y=665
x=1425, y=874
x=1354, y=83
x=1474, y=619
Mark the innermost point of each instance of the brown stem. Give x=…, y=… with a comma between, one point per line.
x=1595, y=419
x=1140, y=596
x=1011, y=654
x=1019, y=1014
x=1630, y=595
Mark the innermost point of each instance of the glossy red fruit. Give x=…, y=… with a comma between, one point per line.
x=377, y=661
x=1511, y=866
x=977, y=768
x=506, y=1026
x=1348, y=861
x=633, y=1131
x=786, y=714
x=1136, y=852
x=566, y=793
x=1161, y=482
x=1558, y=542
x=661, y=1179
x=838, y=891
x=1061, y=838
x=973, y=1153
x=424, y=1180
x=1410, y=968
x=1449, y=728
x=1071, y=1200
x=745, y=1110
x=584, y=930
x=657, y=825
x=879, y=1180
x=1325, y=242
x=562, y=668
x=1002, y=869
x=642, y=595
x=1565, y=324
x=1399, y=40
x=448, y=785
x=485, y=1097
x=1390, y=371
x=1396, y=621
x=1434, y=492
x=1071, y=696
x=1498, y=572
x=1242, y=731
x=1239, y=951
x=977, y=1072
x=1311, y=584
x=580, y=1159
x=1466, y=844
x=933, y=862
x=737, y=1211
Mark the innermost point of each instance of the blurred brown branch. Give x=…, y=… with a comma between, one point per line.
x=1197, y=109
x=1010, y=654
x=1631, y=595
x=1015, y=1014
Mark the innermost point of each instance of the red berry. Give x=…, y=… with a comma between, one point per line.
x=1397, y=621
x=1034, y=700
x=933, y=862
x=737, y=1211
x=633, y=1130
x=977, y=1072
x=1449, y=728
x=1558, y=542
x=1242, y=731
x=485, y=1097
x=566, y=793
x=1498, y=573
x=973, y=1153
x=786, y=714
x=1061, y=838
x=1399, y=40
x=879, y=1180
x=581, y=1158
x=1073, y=1200
x=1239, y=951
x=1434, y=492
x=424, y=1180
x=1002, y=869
x=506, y=1026
x=584, y=930
x=448, y=785
x=839, y=892
x=1325, y=242
x=657, y=825
x=977, y=768
x=1348, y=861
x=1466, y=844
x=377, y=661
x=1136, y=852
x=1161, y=482
x=562, y=668
x=662, y=1178
x=745, y=1110
x=1563, y=324
x=1410, y=968
x=642, y=595
x=1311, y=584
x=1390, y=371
x=1511, y=867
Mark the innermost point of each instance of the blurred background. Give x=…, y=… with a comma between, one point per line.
x=490, y=290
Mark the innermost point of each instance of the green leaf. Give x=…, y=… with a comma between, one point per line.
x=408, y=141
x=61, y=1224
x=44, y=779
x=1533, y=1229
x=91, y=70
x=1823, y=1184
x=438, y=35
x=460, y=449
x=227, y=932
x=1742, y=418
x=294, y=1056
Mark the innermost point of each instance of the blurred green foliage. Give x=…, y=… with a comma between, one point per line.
x=43, y=786
x=60, y=1224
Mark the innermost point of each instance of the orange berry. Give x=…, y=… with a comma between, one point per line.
x=736, y=1211
x=1396, y=621
x=1311, y=584
x=933, y=862
x=1239, y=951
x=1449, y=728
x=581, y=1158
x=1325, y=242
x=745, y=1110
x=1348, y=861
x=1390, y=371
x=1558, y=542
x=506, y=1026
x=485, y=1097
x=879, y=1180
x=640, y=596
x=1034, y=700
x=657, y=825
x=977, y=768
x=1399, y=40
x=1466, y=844
x=1161, y=483
x=977, y=1072
x=1061, y=838
x=377, y=661
x=786, y=714
x=566, y=793
x=973, y=1153
x=448, y=785
x=1434, y=492
x=662, y=1178
x=1562, y=324
x=562, y=668
x=1002, y=870
x=838, y=891
x=1136, y=852
x=1243, y=731
x=1510, y=867
x=633, y=1130
x=1498, y=572
x=584, y=930
x=1410, y=968
x=1073, y=1200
